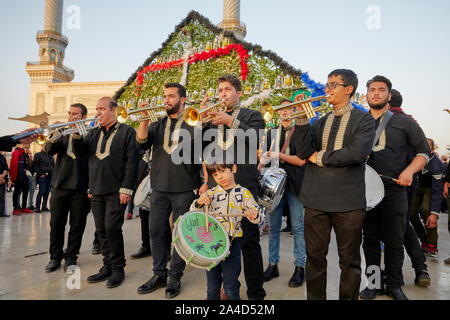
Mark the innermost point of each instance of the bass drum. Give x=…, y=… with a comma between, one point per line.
x=374, y=188
x=272, y=185
x=142, y=194
x=201, y=249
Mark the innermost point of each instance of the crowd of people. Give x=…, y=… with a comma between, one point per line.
x=324, y=161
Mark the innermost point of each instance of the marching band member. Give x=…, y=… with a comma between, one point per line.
x=332, y=192
x=172, y=186
x=293, y=165
x=227, y=198
x=112, y=161
x=226, y=123
x=390, y=157
x=69, y=194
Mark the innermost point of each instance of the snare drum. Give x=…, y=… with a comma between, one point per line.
x=142, y=194
x=272, y=186
x=374, y=188
x=197, y=247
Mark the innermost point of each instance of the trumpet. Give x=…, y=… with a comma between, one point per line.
x=192, y=116
x=267, y=110
x=80, y=128
x=153, y=113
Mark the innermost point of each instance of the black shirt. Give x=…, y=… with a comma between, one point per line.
x=247, y=168
x=70, y=172
x=112, y=161
x=167, y=176
x=43, y=164
x=400, y=141
x=294, y=173
x=336, y=183
x=7, y=143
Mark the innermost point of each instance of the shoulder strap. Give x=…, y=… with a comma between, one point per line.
x=382, y=125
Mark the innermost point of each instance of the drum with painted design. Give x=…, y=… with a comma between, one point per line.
x=197, y=247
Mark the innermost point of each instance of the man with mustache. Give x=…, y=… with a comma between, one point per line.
x=112, y=162
x=390, y=156
x=172, y=185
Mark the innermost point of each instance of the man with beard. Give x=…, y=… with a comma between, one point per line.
x=234, y=128
x=112, y=162
x=173, y=185
x=332, y=192
x=390, y=157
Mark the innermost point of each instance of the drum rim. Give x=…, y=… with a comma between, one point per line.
x=183, y=240
x=374, y=203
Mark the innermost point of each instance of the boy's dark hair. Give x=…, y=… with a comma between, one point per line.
x=396, y=99
x=81, y=106
x=235, y=82
x=211, y=168
x=379, y=78
x=348, y=77
x=181, y=88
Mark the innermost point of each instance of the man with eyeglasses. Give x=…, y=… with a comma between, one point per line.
x=333, y=189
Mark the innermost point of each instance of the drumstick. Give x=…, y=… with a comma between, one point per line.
x=206, y=213
x=387, y=177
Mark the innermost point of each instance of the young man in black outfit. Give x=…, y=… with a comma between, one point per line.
x=112, y=161
x=249, y=123
x=69, y=194
x=172, y=185
x=391, y=157
x=333, y=189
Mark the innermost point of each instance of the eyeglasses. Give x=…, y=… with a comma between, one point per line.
x=332, y=85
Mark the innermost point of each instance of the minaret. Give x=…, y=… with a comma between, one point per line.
x=52, y=45
x=231, y=18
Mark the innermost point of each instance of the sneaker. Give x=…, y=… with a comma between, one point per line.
x=433, y=251
x=31, y=207
x=129, y=216
x=37, y=210
x=26, y=210
x=45, y=209
x=17, y=212
x=96, y=249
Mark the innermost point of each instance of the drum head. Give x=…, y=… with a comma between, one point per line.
x=212, y=245
x=374, y=188
x=142, y=191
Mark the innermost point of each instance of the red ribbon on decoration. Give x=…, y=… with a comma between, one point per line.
x=203, y=56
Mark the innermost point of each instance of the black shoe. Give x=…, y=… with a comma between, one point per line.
x=397, y=294
x=151, y=285
x=141, y=253
x=368, y=294
x=45, y=209
x=271, y=272
x=31, y=207
x=297, y=278
x=5, y=215
x=37, y=211
x=69, y=264
x=422, y=279
x=173, y=288
x=116, y=279
x=96, y=249
x=102, y=275
x=53, y=265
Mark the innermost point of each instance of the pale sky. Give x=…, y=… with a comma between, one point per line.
x=411, y=45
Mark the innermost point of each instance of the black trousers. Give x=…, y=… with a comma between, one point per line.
x=411, y=243
x=109, y=217
x=2, y=199
x=162, y=204
x=63, y=202
x=387, y=222
x=20, y=187
x=145, y=228
x=348, y=229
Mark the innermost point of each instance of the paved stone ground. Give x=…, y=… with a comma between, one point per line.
x=24, y=242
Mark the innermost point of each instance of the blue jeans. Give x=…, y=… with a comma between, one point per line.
x=31, y=189
x=297, y=229
x=227, y=272
x=44, y=190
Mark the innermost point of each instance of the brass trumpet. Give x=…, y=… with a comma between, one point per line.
x=153, y=113
x=267, y=110
x=192, y=116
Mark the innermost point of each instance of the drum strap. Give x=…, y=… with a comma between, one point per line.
x=386, y=117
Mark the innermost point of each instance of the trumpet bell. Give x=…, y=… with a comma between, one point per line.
x=121, y=112
x=41, y=139
x=191, y=116
x=266, y=111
